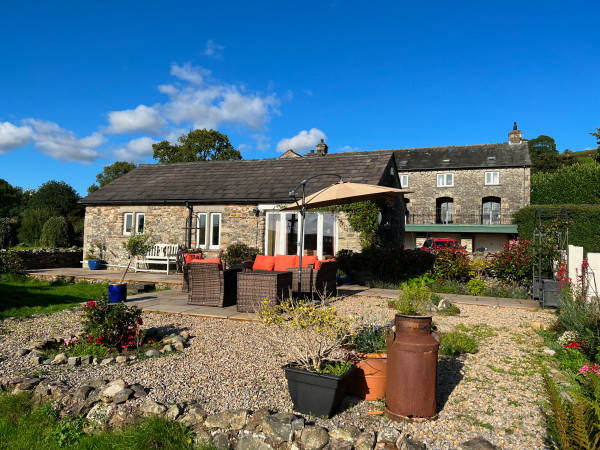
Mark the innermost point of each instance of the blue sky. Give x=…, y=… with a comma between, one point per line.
x=84, y=84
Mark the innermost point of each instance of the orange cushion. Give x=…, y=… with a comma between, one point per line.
x=263, y=262
x=306, y=260
x=210, y=260
x=189, y=257
x=282, y=262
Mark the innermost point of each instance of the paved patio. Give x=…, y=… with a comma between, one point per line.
x=174, y=301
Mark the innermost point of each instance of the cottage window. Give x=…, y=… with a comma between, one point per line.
x=202, y=228
x=445, y=180
x=127, y=223
x=491, y=211
x=444, y=209
x=492, y=178
x=215, y=230
x=404, y=181
x=281, y=234
x=140, y=219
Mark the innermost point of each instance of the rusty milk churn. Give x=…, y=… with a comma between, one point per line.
x=411, y=370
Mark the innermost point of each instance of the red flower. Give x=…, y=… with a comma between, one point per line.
x=91, y=304
x=573, y=344
x=140, y=321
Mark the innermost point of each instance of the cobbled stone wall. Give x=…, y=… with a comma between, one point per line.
x=104, y=224
x=47, y=258
x=469, y=189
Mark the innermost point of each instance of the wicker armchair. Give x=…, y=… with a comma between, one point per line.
x=209, y=286
x=318, y=283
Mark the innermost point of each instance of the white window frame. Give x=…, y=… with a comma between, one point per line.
x=210, y=231
x=494, y=178
x=442, y=180
x=125, y=232
x=137, y=223
x=281, y=232
x=206, y=232
x=403, y=181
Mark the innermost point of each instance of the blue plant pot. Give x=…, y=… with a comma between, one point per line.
x=95, y=264
x=117, y=293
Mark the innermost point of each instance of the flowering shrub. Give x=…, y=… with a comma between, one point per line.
x=515, y=262
x=451, y=264
x=574, y=345
x=113, y=325
x=567, y=337
x=595, y=368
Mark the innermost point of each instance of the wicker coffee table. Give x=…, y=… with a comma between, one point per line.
x=256, y=286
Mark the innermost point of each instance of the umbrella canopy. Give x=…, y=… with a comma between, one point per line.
x=344, y=192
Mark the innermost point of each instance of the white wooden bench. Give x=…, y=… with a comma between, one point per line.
x=160, y=254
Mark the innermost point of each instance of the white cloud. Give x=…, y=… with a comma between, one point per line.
x=213, y=50
x=143, y=119
x=208, y=104
x=304, y=140
x=61, y=144
x=13, y=137
x=347, y=148
x=136, y=150
x=262, y=142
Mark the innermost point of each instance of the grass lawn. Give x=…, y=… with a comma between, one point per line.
x=24, y=296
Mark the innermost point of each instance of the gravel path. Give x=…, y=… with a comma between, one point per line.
x=229, y=365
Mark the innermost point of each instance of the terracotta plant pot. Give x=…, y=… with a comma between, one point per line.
x=370, y=377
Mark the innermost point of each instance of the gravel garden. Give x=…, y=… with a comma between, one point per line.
x=495, y=394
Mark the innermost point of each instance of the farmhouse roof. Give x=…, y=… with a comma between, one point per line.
x=263, y=180
x=502, y=155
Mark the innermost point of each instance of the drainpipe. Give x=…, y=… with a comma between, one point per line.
x=188, y=229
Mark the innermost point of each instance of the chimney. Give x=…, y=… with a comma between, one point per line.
x=322, y=148
x=515, y=136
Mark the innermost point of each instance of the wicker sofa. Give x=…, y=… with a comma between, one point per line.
x=210, y=285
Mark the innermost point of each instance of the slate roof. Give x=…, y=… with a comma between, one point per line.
x=483, y=156
x=252, y=181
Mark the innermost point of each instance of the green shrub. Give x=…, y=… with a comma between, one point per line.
x=55, y=233
x=453, y=310
x=371, y=338
x=577, y=184
x=32, y=222
x=113, y=325
x=5, y=231
x=456, y=343
x=10, y=263
x=584, y=224
x=583, y=317
x=414, y=299
x=476, y=286
x=515, y=262
x=451, y=264
x=238, y=253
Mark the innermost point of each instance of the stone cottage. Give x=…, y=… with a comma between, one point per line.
x=214, y=204
x=467, y=192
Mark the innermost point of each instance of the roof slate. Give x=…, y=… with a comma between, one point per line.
x=463, y=157
x=264, y=180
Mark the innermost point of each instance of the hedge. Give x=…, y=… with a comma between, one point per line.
x=578, y=184
x=584, y=228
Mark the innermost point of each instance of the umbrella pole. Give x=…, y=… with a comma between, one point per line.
x=301, y=236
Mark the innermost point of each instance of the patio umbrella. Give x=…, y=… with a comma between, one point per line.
x=340, y=193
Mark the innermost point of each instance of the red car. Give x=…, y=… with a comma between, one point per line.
x=433, y=244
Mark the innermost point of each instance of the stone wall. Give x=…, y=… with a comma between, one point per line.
x=47, y=258
x=239, y=224
x=469, y=189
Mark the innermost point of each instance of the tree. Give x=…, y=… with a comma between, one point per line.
x=111, y=173
x=543, y=153
x=57, y=196
x=197, y=145
x=597, y=136
x=12, y=201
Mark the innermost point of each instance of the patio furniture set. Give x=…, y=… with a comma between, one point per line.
x=248, y=285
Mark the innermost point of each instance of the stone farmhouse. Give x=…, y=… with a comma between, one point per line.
x=468, y=193
x=214, y=204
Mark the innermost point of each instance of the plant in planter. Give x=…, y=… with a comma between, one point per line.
x=313, y=334
x=414, y=299
x=94, y=256
x=136, y=245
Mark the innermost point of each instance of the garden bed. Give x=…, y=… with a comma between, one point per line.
x=494, y=393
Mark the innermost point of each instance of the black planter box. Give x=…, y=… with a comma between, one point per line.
x=316, y=393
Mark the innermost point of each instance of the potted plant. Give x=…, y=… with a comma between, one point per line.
x=135, y=245
x=313, y=333
x=94, y=262
x=368, y=350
